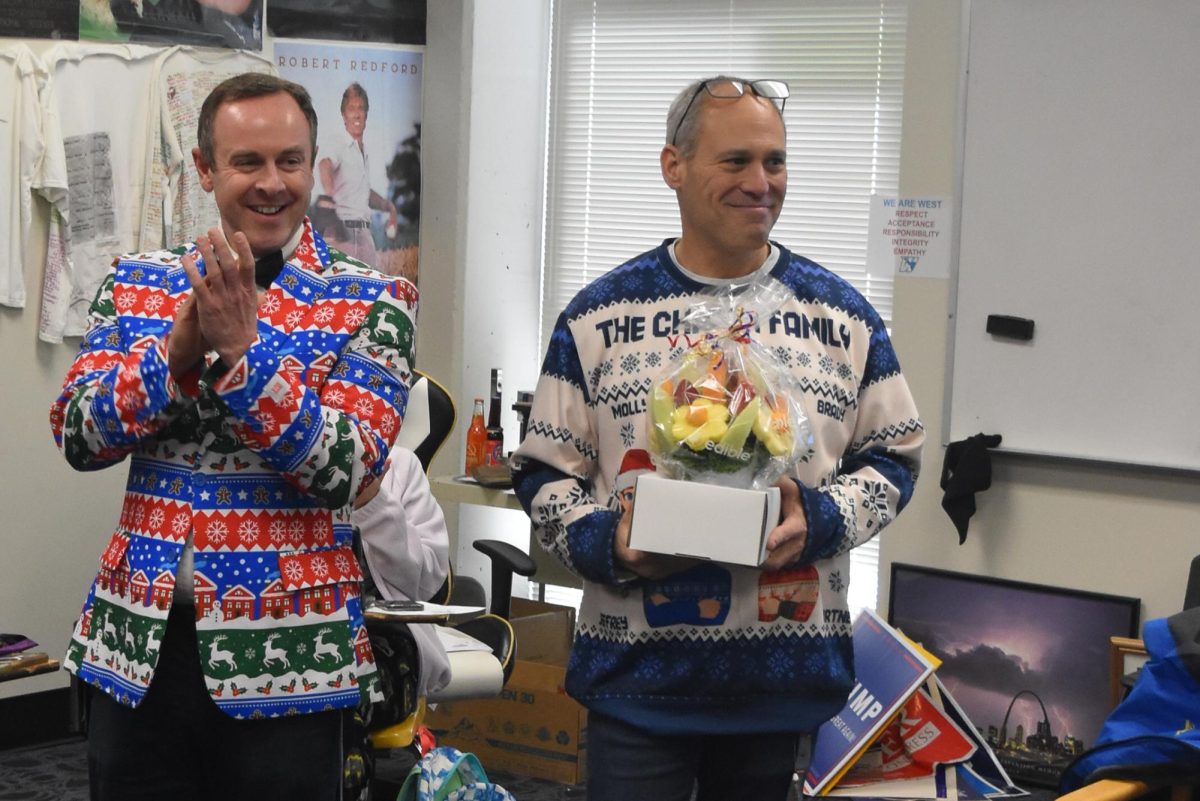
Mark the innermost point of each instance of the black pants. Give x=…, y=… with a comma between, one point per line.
x=625, y=763
x=178, y=745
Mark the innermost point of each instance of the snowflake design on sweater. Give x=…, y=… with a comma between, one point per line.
x=294, y=571
x=266, y=423
x=779, y=663
x=557, y=504
x=630, y=363
x=784, y=355
x=594, y=377
x=248, y=532
x=721, y=668
x=627, y=434
x=844, y=372
x=606, y=369
x=653, y=359
x=364, y=408
x=836, y=582
x=650, y=668
x=804, y=359
x=826, y=363
x=874, y=498
x=217, y=531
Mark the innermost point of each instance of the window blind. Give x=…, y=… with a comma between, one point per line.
x=617, y=64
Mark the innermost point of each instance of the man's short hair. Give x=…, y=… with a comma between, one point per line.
x=681, y=127
x=242, y=87
x=355, y=90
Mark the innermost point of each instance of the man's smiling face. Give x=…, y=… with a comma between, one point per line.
x=261, y=175
x=731, y=188
x=354, y=115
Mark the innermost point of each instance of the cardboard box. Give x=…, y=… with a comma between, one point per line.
x=703, y=521
x=533, y=728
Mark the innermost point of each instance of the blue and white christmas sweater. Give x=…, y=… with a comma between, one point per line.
x=716, y=648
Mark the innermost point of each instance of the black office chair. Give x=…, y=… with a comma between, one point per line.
x=391, y=726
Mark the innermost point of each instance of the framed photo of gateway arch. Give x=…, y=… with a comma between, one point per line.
x=1028, y=663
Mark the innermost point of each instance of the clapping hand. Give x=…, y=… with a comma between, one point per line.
x=225, y=300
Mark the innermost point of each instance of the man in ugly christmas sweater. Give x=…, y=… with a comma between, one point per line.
x=699, y=674
x=255, y=380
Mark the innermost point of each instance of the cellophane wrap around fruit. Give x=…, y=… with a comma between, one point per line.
x=724, y=411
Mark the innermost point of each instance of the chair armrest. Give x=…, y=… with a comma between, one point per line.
x=506, y=560
x=516, y=560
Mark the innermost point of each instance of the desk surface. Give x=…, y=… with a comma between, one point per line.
x=455, y=489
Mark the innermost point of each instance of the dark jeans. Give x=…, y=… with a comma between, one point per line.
x=178, y=745
x=625, y=763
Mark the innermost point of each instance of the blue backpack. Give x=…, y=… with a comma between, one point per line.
x=446, y=774
x=1154, y=734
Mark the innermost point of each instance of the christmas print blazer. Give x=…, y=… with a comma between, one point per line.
x=259, y=462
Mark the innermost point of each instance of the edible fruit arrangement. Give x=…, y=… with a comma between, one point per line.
x=713, y=417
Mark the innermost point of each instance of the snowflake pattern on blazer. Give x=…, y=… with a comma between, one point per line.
x=259, y=461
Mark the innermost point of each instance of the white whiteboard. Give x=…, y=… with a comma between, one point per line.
x=1081, y=211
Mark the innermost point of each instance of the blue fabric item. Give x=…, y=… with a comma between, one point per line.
x=447, y=774
x=1152, y=735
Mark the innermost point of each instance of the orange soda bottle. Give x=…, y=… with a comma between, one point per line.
x=476, y=438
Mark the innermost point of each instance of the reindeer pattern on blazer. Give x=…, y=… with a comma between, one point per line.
x=259, y=462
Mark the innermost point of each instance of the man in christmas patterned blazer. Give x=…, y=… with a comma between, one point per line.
x=255, y=380
x=717, y=689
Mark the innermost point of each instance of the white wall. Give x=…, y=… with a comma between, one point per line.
x=56, y=521
x=483, y=145
x=1105, y=529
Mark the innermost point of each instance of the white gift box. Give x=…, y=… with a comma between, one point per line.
x=703, y=521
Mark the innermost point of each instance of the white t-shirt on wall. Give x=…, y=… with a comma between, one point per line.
x=95, y=122
x=22, y=77
x=175, y=207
